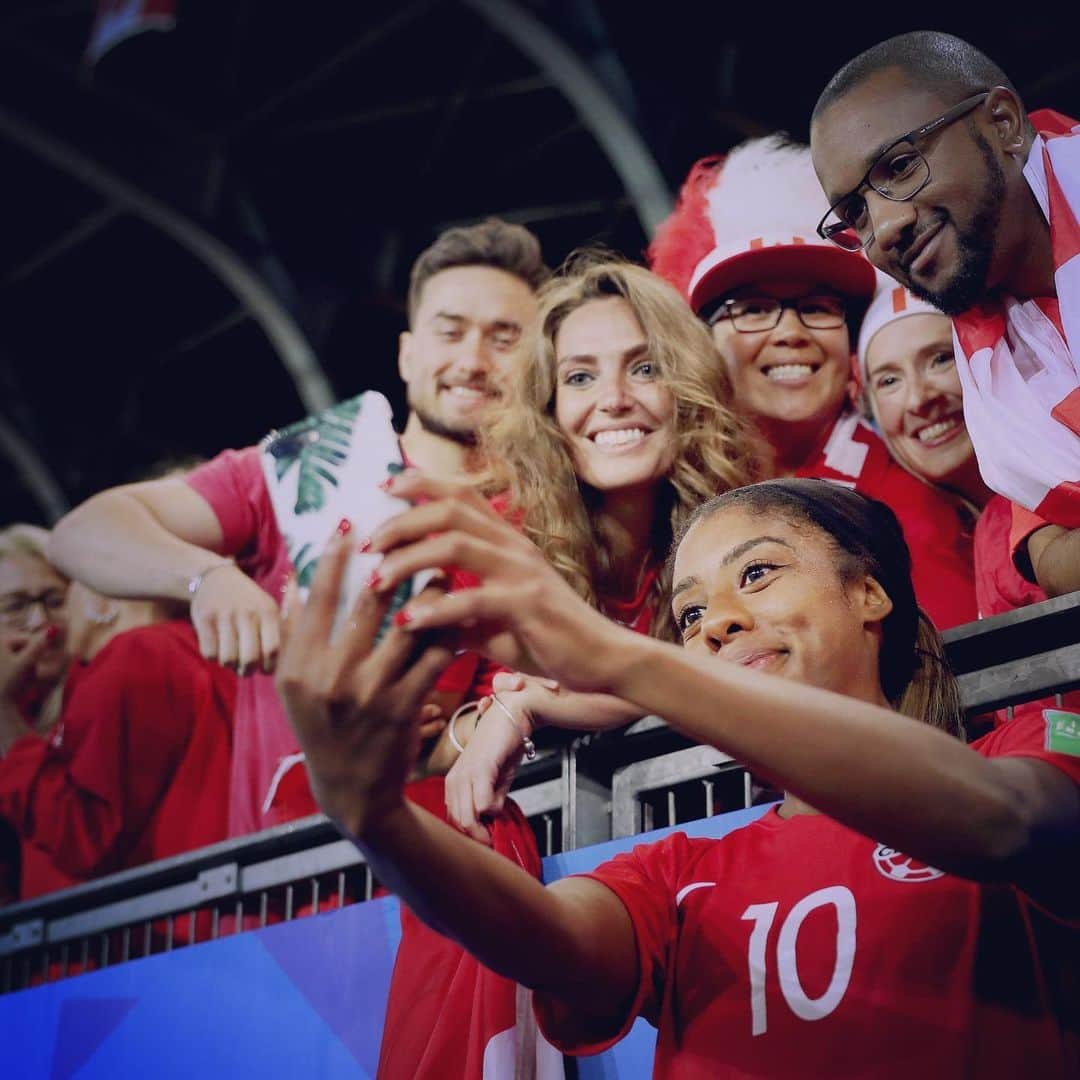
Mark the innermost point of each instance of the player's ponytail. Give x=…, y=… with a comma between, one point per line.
x=915, y=676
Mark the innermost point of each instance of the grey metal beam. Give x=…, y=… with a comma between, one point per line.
x=608, y=125
x=254, y=294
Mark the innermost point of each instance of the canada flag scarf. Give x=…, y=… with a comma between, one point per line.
x=1020, y=372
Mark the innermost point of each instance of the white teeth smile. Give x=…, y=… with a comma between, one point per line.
x=788, y=372
x=934, y=431
x=468, y=393
x=621, y=437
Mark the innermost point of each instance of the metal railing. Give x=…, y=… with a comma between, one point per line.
x=579, y=793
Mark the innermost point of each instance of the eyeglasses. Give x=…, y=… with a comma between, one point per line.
x=15, y=608
x=899, y=173
x=752, y=314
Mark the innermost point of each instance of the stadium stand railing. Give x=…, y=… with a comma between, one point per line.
x=576, y=793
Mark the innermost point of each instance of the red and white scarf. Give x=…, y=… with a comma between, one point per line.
x=1021, y=379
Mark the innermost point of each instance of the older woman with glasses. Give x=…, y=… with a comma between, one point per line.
x=33, y=622
x=784, y=306
x=136, y=767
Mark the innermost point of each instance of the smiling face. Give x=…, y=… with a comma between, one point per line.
x=466, y=333
x=617, y=414
x=944, y=243
x=754, y=589
x=915, y=395
x=790, y=374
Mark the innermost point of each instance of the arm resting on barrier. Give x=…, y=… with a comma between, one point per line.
x=1055, y=559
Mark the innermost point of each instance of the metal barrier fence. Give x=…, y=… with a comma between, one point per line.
x=582, y=792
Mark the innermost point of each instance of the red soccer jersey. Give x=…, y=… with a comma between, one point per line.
x=940, y=544
x=799, y=948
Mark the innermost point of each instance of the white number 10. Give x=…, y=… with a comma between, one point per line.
x=804, y=1007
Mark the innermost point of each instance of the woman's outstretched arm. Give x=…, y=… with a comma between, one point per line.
x=898, y=780
x=356, y=709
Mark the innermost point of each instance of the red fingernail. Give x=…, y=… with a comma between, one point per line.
x=403, y=617
x=52, y=632
x=364, y=545
x=344, y=527
x=374, y=581
x=384, y=485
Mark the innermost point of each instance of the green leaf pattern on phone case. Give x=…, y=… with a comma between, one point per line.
x=318, y=446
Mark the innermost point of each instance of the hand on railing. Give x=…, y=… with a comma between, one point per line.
x=478, y=782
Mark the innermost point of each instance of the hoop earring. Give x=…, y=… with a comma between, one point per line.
x=103, y=617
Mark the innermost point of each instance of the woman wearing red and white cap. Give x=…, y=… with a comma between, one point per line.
x=783, y=307
x=909, y=381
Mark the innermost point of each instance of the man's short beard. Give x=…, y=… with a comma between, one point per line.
x=975, y=244
x=462, y=436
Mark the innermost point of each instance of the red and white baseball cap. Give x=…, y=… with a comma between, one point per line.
x=890, y=303
x=750, y=216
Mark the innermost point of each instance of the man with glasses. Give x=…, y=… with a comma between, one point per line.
x=933, y=167
x=783, y=305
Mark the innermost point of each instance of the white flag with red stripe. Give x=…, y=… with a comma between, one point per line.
x=1021, y=377
x=118, y=20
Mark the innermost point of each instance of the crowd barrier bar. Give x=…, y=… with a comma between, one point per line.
x=583, y=792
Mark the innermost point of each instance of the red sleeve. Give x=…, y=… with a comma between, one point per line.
x=1031, y=734
x=85, y=801
x=645, y=881
x=232, y=483
x=1024, y=523
x=999, y=587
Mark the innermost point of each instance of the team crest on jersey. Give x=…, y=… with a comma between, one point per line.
x=896, y=865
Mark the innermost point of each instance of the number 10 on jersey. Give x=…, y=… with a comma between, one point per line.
x=803, y=1006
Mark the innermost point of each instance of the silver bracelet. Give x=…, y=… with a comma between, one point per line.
x=453, y=720
x=526, y=742
x=195, y=583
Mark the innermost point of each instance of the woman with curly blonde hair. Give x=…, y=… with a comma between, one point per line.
x=604, y=509
x=601, y=450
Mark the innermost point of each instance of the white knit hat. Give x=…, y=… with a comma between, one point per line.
x=763, y=209
x=891, y=302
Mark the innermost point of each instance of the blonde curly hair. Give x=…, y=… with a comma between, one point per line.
x=529, y=458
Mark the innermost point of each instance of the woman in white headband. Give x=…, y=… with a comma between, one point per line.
x=907, y=373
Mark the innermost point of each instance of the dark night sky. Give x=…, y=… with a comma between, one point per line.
x=325, y=144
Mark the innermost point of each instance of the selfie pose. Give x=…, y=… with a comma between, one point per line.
x=905, y=908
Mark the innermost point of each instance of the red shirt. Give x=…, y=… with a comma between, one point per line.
x=136, y=767
x=1000, y=587
x=800, y=948
x=445, y=1008
x=941, y=547
x=268, y=785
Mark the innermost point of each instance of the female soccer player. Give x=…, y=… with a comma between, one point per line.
x=905, y=909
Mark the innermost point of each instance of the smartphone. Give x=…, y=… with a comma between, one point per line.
x=328, y=467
